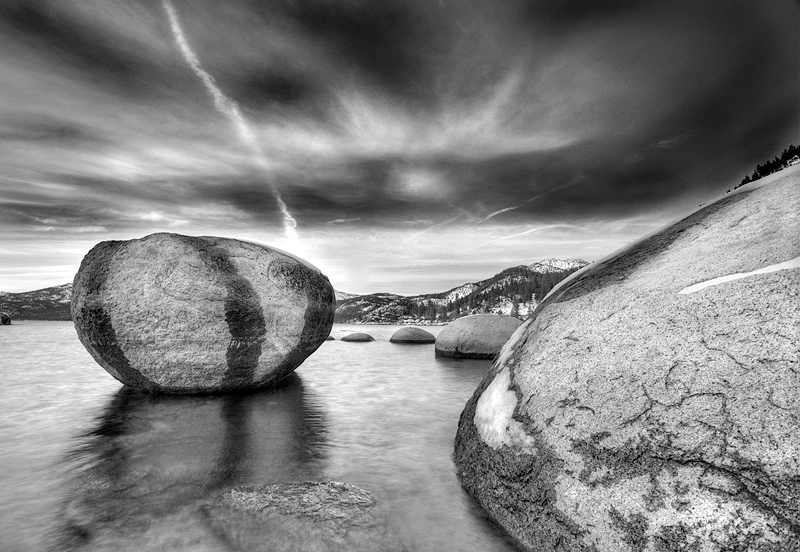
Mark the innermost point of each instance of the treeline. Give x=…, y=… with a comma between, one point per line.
x=772, y=166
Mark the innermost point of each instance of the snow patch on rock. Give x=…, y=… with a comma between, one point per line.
x=494, y=414
x=786, y=265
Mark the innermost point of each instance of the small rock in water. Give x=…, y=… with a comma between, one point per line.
x=5, y=319
x=180, y=314
x=476, y=336
x=313, y=516
x=412, y=335
x=358, y=337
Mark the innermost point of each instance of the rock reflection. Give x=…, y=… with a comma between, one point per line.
x=136, y=481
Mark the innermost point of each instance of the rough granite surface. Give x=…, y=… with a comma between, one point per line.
x=180, y=314
x=412, y=335
x=626, y=416
x=311, y=516
x=476, y=336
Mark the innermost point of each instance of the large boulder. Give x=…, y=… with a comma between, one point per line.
x=412, y=335
x=633, y=412
x=358, y=337
x=475, y=336
x=315, y=516
x=5, y=319
x=180, y=314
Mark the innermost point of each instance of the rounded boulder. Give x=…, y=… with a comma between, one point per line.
x=5, y=319
x=476, y=336
x=358, y=337
x=651, y=402
x=412, y=335
x=181, y=314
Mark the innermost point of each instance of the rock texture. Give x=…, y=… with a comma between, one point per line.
x=412, y=335
x=358, y=337
x=312, y=517
x=476, y=336
x=627, y=416
x=5, y=319
x=180, y=314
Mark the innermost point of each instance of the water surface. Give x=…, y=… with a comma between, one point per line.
x=87, y=464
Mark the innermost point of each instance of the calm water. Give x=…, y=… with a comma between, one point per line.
x=87, y=464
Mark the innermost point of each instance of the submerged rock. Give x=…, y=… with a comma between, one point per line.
x=5, y=319
x=633, y=412
x=323, y=517
x=358, y=337
x=476, y=336
x=180, y=314
x=412, y=335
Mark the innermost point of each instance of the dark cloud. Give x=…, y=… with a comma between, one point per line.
x=396, y=116
x=36, y=127
x=573, y=12
x=384, y=40
x=64, y=41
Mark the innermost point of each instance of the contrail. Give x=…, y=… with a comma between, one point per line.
x=230, y=109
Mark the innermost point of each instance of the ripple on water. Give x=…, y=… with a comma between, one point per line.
x=91, y=465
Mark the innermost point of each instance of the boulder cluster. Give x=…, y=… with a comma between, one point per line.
x=479, y=336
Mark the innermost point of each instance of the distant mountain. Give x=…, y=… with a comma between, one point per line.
x=514, y=291
x=43, y=304
x=557, y=265
x=341, y=295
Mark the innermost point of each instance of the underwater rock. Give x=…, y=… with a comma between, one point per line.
x=324, y=517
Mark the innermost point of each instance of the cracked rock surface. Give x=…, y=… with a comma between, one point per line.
x=626, y=416
x=312, y=517
x=183, y=314
x=475, y=336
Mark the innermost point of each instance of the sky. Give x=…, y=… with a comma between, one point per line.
x=402, y=146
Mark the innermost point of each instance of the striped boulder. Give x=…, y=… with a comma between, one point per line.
x=178, y=314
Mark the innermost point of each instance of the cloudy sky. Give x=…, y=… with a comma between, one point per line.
x=399, y=145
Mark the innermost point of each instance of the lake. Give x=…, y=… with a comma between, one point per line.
x=87, y=464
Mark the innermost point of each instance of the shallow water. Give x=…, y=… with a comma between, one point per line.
x=87, y=464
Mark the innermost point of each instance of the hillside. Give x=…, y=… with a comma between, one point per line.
x=43, y=304
x=516, y=290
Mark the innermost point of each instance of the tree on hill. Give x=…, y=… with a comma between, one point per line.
x=770, y=167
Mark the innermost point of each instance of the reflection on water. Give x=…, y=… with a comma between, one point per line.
x=140, y=474
x=87, y=465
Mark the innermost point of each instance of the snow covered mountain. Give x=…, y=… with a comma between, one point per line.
x=42, y=304
x=514, y=291
x=557, y=265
